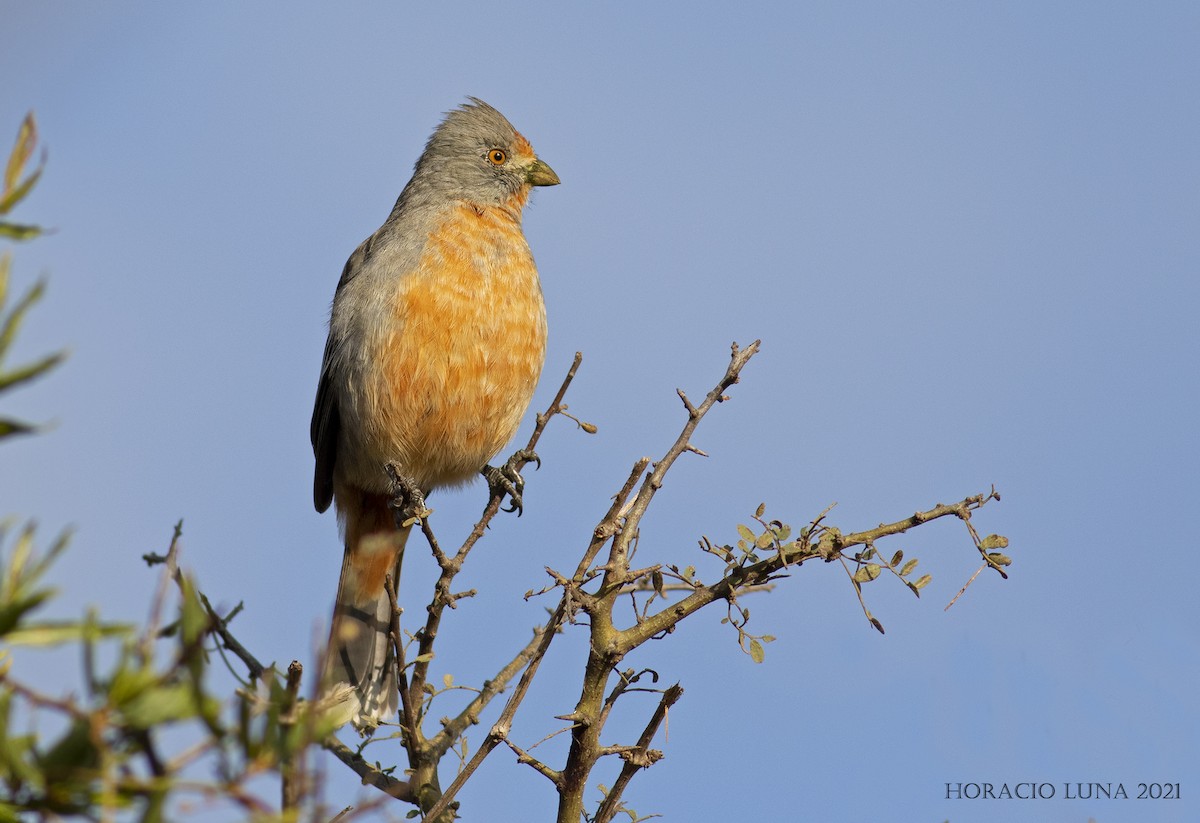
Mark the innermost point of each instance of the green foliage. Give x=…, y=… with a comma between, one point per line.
x=16, y=186
x=103, y=754
x=99, y=755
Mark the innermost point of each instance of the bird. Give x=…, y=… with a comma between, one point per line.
x=437, y=338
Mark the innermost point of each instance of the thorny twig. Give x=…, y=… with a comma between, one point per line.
x=641, y=757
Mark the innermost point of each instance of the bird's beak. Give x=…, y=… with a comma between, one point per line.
x=540, y=174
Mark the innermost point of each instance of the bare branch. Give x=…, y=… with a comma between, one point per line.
x=638, y=758
x=653, y=482
x=741, y=577
x=499, y=731
x=171, y=561
x=607, y=645
x=220, y=629
x=371, y=776
x=407, y=708
x=526, y=758
x=293, y=784
x=451, y=731
x=961, y=591
x=556, y=405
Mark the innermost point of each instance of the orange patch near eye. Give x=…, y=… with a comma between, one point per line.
x=522, y=147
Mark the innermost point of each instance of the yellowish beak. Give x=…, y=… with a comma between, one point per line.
x=540, y=174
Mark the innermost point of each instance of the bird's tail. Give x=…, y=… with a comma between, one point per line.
x=360, y=652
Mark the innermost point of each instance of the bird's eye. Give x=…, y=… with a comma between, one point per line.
x=497, y=157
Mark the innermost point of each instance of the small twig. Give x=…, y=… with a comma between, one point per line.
x=643, y=586
x=66, y=705
x=160, y=595
x=610, y=524
x=499, y=731
x=371, y=776
x=551, y=735
x=626, y=684
x=527, y=759
x=406, y=696
x=291, y=770
x=146, y=743
x=219, y=627
x=556, y=405
x=738, y=359
x=441, y=742
x=964, y=588
x=190, y=755
x=858, y=591
x=612, y=801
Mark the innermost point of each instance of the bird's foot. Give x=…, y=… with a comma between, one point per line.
x=507, y=481
x=408, y=501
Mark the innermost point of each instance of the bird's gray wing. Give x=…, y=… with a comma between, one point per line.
x=326, y=423
x=326, y=419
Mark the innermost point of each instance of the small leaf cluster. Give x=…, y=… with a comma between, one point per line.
x=871, y=564
x=15, y=186
x=105, y=754
x=996, y=559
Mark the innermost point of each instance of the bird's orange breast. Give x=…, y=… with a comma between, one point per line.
x=457, y=367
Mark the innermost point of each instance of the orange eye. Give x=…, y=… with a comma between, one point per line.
x=497, y=157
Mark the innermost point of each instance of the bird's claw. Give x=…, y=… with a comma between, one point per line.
x=507, y=481
x=408, y=501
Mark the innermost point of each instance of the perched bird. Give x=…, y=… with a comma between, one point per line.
x=436, y=341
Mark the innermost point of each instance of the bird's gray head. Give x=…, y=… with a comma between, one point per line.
x=476, y=155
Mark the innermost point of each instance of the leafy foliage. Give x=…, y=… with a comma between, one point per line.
x=16, y=187
x=106, y=756
x=99, y=755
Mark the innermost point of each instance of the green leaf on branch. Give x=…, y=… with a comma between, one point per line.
x=14, y=189
x=164, y=704
x=867, y=573
x=54, y=633
x=21, y=591
x=22, y=151
x=746, y=534
x=31, y=370
x=19, y=231
x=9, y=426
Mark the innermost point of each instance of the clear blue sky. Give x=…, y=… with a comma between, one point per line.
x=966, y=233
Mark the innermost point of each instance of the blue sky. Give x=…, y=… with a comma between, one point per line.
x=966, y=233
